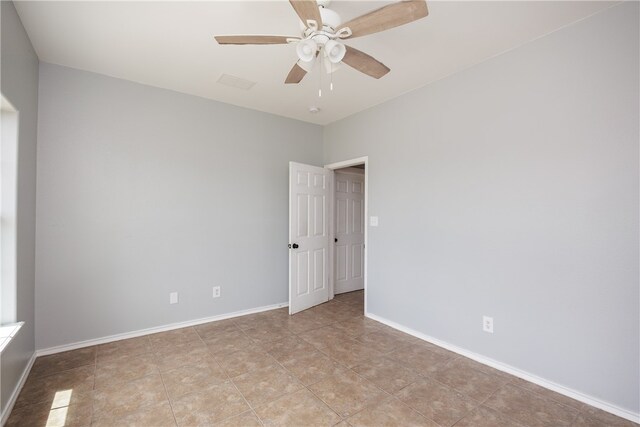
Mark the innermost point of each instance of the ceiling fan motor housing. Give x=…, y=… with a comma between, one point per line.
x=330, y=21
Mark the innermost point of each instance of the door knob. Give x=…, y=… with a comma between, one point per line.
x=294, y=246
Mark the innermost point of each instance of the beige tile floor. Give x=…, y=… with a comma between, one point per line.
x=326, y=366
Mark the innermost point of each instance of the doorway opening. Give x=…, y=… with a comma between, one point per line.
x=348, y=228
x=348, y=231
x=325, y=204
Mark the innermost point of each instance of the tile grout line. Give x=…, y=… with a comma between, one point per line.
x=348, y=369
x=166, y=392
x=230, y=379
x=93, y=390
x=304, y=386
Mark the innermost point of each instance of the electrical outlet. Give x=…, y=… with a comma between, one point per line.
x=487, y=324
x=373, y=221
x=173, y=298
x=216, y=291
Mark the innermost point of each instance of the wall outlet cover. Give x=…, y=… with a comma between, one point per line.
x=373, y=221
x=216, y=291
x=487, y=324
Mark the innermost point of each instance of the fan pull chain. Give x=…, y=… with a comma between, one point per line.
x=331, y=84
x=319, y=79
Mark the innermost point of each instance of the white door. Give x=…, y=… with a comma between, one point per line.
x=349, y=249
x=309, y=207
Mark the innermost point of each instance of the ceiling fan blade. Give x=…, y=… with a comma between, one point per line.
x=296, y=74
x=251, y=39
x=307, y=10
x=364, y=63
x=386, y=17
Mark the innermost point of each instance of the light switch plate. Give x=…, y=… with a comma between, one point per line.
x=173, y=298
x=373, y=221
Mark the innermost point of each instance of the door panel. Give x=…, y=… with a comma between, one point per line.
x=349, y=215
x=309, y=230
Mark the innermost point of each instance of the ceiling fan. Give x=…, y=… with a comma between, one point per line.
x=323, y=32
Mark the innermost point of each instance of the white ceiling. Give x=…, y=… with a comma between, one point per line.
x=170, y=45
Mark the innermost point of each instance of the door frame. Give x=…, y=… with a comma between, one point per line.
x=339, y=165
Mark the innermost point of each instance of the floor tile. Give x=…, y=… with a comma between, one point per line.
x=329, y=308
x=347, y=393
x=349, y=352
x=53, y=364
x=227, y=342
x=529, y=408
x=436, y=401
x=381, y=341
x=249, y=321
x=41, y=415
x=546, y=393
x=125, y=399
x=357, y=326
x=465, y=361
x=124, y=369
x=266, y=384
x=325, y=336
x=486, y=417
x=206, y=330
x=593, y=417
x=300, y=408
x=204, y=408
x=285, y=347
x=387, y=374
x=245, y=360
x=171, y=338
x=268, y=333
x=72, y=386
x=298, y=324
x=156, y=415
x=123, y=348
x=246, y=419
x=279, y=313
x=469, y=381
x=193, y=378
x=312, y=367
x=419, y=359
x=391, y=412
x=186, y=353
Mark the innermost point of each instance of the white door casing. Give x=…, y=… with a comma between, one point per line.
x=349, y=230
x=309, y=238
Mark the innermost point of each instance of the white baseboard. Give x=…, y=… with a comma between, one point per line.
x=17, y=390
x=141, y=332
x=605, y=406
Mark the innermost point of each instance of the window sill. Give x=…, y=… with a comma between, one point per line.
x=7, y=333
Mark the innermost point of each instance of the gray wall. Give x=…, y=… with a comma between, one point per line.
x=144, y=191
x=19, y=84
x=511, y=190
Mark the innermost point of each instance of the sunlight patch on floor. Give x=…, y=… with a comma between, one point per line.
x=59, y=408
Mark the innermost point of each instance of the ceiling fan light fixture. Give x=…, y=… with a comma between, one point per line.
x=307, y=66
x=335, y=51
x=306, y=50
x=329, y=66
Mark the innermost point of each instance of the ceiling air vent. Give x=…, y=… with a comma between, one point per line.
x=236, y=82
